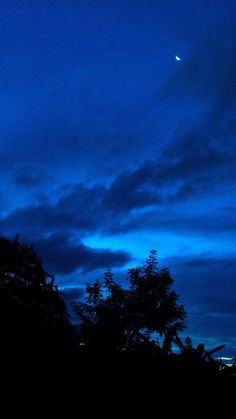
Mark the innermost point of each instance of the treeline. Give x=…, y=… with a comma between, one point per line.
x=124, y=334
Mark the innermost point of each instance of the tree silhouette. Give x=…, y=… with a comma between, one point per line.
x=126, y=334
x=137, y=318
x=32, y=312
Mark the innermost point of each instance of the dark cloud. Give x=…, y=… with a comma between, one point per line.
x=30, y=176
x=132, y=190
x=194, y=156
x=183, y=221
x=34, y=219
x=89, y=209
x=63, y=256
x=207, y=286
x=76, y=209
x=200, y=274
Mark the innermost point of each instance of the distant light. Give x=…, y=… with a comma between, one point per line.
x=229, y=361
x=178, y=58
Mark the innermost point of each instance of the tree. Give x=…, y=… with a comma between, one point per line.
x=139, y=317
x=32, y=311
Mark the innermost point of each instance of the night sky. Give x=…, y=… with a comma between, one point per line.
x=110, y=147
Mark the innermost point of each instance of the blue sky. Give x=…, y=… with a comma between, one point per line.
x=110, y=147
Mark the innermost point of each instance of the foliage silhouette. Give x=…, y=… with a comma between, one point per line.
x=126, y=335
x=134, y=319
x=33, y=314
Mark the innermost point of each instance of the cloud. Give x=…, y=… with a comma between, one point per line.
x=187, y=221
x=170, y=191
x=132, y=190
x=207, y=286
x=146, y=197
x=62, y=256
x=77, y=209
x=30, y=176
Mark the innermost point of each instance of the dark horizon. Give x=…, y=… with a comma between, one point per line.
x=112, y=146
